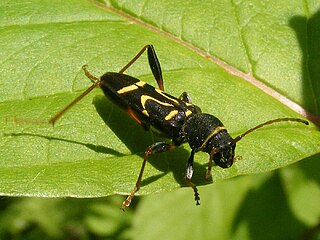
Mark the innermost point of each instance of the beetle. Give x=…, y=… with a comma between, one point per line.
x=177, y=119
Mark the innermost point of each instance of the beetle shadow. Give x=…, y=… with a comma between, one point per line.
x=138, y=139
x=96, y=148
x=307, y=31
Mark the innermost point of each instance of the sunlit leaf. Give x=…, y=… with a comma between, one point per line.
x=95, y=149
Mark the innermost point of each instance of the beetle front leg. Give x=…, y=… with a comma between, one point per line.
x=189, y=173
x=154, y=148
x=208, y=173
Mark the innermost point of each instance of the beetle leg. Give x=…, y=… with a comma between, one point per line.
x=136, y=118
x=189, y=173
x=154, y=148
x=208, y=173
x=96, y=82
x=153, y=63
x=89, y=75
x=131, y=113
x=155, y=66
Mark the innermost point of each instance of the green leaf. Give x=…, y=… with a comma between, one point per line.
x=96, y=149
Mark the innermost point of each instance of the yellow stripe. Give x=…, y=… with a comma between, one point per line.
x=171, y=115
x=140, y=83
x=145, y=113
x=214, y=132
x=127, y=89
x=188, y=113
x=161, y=92
x=145, y=98
x=132, y=87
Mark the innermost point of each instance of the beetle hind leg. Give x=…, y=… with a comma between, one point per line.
x=89, y=75
x=155, y=67
x=153, y=63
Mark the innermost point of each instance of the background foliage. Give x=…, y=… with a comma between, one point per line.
x=91, y=153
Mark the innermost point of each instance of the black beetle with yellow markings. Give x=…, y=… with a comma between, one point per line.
x=174, y=118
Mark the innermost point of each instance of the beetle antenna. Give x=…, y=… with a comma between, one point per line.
x=238, y=138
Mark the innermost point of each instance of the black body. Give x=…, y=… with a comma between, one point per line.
x=171, y=117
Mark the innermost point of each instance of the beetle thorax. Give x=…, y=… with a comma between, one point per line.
x=199, y=129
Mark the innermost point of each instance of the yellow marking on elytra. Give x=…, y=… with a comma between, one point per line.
x=214, y=132
x=140, y=83
x=145, y=113
x=132, y=87
x=171, y=114
x=145, y=98
x=162, y=93
x=188, y=113
x=127, y=89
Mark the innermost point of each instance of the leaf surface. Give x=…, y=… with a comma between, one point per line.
x=96, y=149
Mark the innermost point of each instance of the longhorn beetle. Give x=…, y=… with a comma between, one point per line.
x=174, y=118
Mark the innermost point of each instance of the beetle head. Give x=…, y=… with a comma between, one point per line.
x=223, y=154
